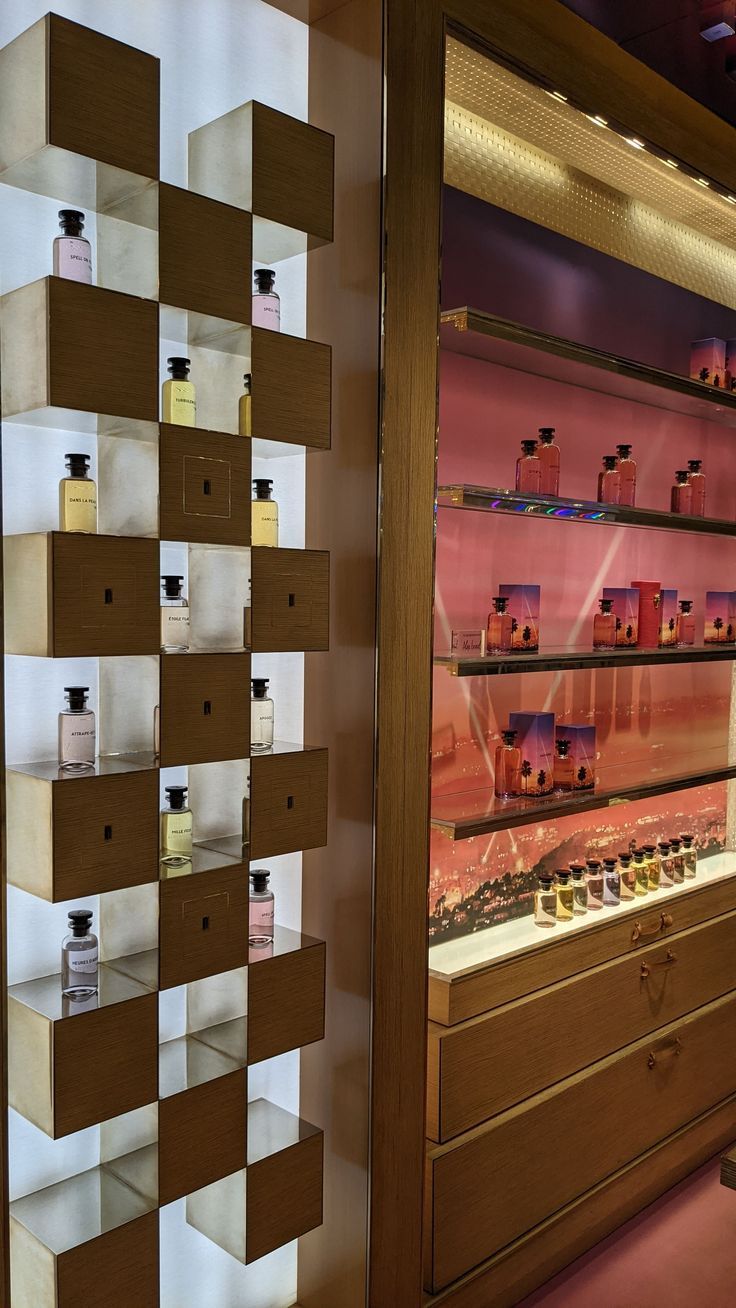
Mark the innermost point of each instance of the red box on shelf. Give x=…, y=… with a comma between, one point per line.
x=649, y=592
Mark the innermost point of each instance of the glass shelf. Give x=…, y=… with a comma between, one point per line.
x=68, y=1214
x=497, y=340
x=44, y=994
x=478, y=812
x=554, y=660
x=139, y=967
x=105, y=765
x=559, y=509
x=187, y=1062
x=206, y=857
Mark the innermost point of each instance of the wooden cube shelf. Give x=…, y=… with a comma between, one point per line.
x=203, y=925
x=290, y=600
x=70, y=595
x=205, y=708
x=71, y=836
x=204, y=255
x=201, y=1118
x=204, y=486
x=288, y=800
x=292, y=389
x=113, y=1037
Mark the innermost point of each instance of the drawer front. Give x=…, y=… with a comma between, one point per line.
x=527, y=1163
x=105, y=597
x=481, y=1067
x=105, y=834
x=288, y=802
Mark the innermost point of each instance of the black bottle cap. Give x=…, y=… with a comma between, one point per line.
x=610, y=461
x=686, y=606
x=80, y=920
x=546, y=879
x=625, y=857
x=259, y=878
x=259, y=685
x=577, y=869
x=610, y=862
x=648, y=849
x=682, y=475
x=664, y=845
x=675, y=842
x=694, y=465
x=171, y=585
x=247, y=382
x=562, y=875
x=687, y=840
x=623, y=451
x=547, y=434
x=264, y=279
x=77, y=697
x=262, y=487
x=177, y=795
x=178, y=367
x=592, y=862
x=78, y=464
x=500, y=603
x=562, y=747
x=71, y=222
x=606, y=605
x=639, y=853
x=509, y=736
x=528, y=446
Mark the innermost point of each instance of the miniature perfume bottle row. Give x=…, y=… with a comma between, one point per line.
x=536, y=758
x=606, y=883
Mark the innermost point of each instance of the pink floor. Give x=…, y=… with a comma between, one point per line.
x=679, y=1253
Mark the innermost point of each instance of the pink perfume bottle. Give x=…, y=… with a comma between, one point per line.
x=697, y=487
x=686, y=623
x=627, y=473
x=529, y=469
x=604, y=626
x=609, y=481
x=681, y=500
x=507, y=774
x=260, y=930
x=500, y=629
x=548, y=454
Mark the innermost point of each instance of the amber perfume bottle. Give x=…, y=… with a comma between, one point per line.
x=627, y=475
x=529, y=469
x=678, y=860
x=72, y=251
x=666, y=865
x=690, y=856
x=681, y=498
x=611, y=882
x=697, y=487
x=174, y=615
x=245, y=407
x=178, y=396
x=685, y=623
x=507, y=776
x=548, y=453
x=579, y=889
x=594, y=879
x=641, y=872
x=500, y=628
x=609, y=481
x=266, y=310
x=564, y=766
x=264, y=528
x=604, y=626
x=565, y=907
x=545, y=902
x=77, y=497
x=651, y=854
x=627, y=873
x=261, y=909
x=80, y=952
x=261, y=717
x=176, y=828
x=77, y=732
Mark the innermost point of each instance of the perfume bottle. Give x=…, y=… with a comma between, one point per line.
x=565, y=907
x=529, y=469
x=678, y=860
x=604, y=626
x=80, y=953
x=666, y=865
x=609, y=481
x=72, y=251
x=500, y=627
x=579, y=889
x=260, y=930
x=627, y=873
x=651, y=856
x=548, y=454
x=264, y=529
x=641, y=871
x=245, y=407
x=564, y=766
x=686, y=623
x=77, y=734
x=697, y=487
x=681, y=498
x=507, y=776
x=261, y=717
x=77, y=496
x=178, y=396
x=174, y=615
x=627, y=475
x=611, y=882
x=545, y=902
x=176, y=828
x=266, y=303
x=247, y=620
x=594, y=879
x=690, y=855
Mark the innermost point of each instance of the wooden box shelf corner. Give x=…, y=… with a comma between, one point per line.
x=286, y=995
x=204, y=486
x=292, y=389
x=215, y=281
x=290, y=600
x=288, y=807
x=205, y=708
x=201, y=1119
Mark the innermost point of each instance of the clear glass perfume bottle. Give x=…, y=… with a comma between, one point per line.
x=545, y=902
x=666, y=865
x=80, y=952
x=627, y=873
x=594, y=880
x=690, y=855
x=564, y=766
x=678, y=860
x=500, y=627
x=174, y=615
x=261, y=717
x=681, y=498
x=266, y=303
x=529, y=469
x=611, y=882
x=641, y=871
x=72, y=251
x=627, y=475
x=651, y=854
x=565, y=907
x=609, y=481
x=178, y=396
x=176, y=828
x=604, y=626
x=507, y=775
x=548, y=453
x=260, y=909
x=264, y=527
x=245, y=408
x=579, y=889
x=77, y=732
x=685, y=623
x=78, y=496
x=697, y=487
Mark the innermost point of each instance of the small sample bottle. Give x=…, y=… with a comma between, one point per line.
x=604, y=626
x=176, y=828
x=507, y=775
x=247, y=620
x=178, y=396
x=500, y=627
x=548, y=454
x=594, y=879
x=80, y=953
x=609, y=481
x=264, y=523
x=666, y=865
x=545, y=902
x=565, y=907
x=697, y=487
x=174, y=615
x=641, y=871
x=78, y=496
x=627, y=873
x=651, y=855
x=260, y=909
x=529, y=469
x=627, y=475
x=245, y=408
x=690, y=855
x=77, y=733
x=681, y=498
x=678, y=860
x=72, y=251
x=611, y=882
x=564, y=766
x=685, y=623
x=579, y=889
x=266, y=303
x=261, y=717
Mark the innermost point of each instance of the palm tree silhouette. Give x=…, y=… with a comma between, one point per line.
x=717, y=626
x=671, y=624
x=729, y=631
x=582, y=774
x=526, y=772
x=629, y=633
x=526, y=635
x=541, y=778
x=704, y=374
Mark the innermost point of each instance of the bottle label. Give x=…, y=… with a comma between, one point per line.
x=175, y=627
x=82, y=960
x=261, y=915
x=266, y=312
x=73, y=259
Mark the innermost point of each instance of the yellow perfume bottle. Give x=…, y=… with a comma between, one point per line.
x=641, y=872
x=565, y=906
x=178, y=396
x=245, y=419
x=176, y=828
x=264, y=529
x=77, y=496
x=653, y=866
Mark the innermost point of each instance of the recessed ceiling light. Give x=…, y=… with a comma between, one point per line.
x=557, y=95
x=596, y=118
x=671, y=163
x=701, y=181
x=632, y=140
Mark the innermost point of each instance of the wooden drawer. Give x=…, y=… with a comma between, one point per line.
x=288, y=801
x=501, y=1179
x=204, y=486
x=479, y=1068
x=291, y=600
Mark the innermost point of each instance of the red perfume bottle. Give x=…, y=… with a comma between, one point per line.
x=564, y=766
x=697, y=487
x=686, y=623
x=609, y=481
x=548, y=454
x=507, y=775
x=604, y=626
x=681, y=499
x=627, y=473
x=500, y=628
x=529, y=469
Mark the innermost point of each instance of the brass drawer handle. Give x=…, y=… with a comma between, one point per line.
x=639, y=932
x=674, y=1049
x=661, y=962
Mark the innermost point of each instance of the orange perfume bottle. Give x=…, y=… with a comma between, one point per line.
x=627, y=474
x=697, y=487
x=529, y=469
x=548, y=454
x=507, y=775
x=604, y=626
x=681, y=499
x=500, y=629
x=609, y=481
x=686, y=623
